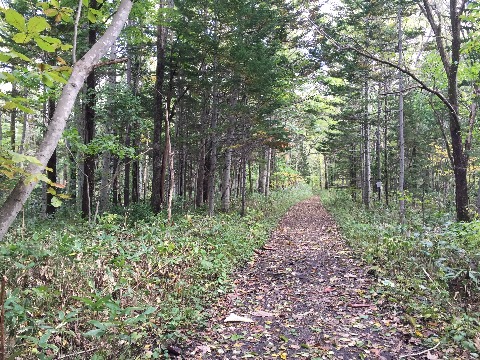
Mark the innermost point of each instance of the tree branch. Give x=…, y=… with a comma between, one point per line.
x=444, y=135
x=437, y=30
x=407, y=72
x=111, y=62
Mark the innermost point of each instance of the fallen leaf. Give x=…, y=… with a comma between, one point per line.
x=431, y=356
x=261, y=313
x=235, y=318
x=203, y=349
x=360, y=305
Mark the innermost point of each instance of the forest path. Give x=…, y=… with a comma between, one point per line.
x=308, y=297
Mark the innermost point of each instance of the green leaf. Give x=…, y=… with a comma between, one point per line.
x=56, y=202
x=5, y=57
x=43, y=5
x=20, y=55
x=150, y=310
x=67, y=18
x=19, y=158
x=51, y=40
x=55, y=3
x=95, y=332
x=15, y=19
x=91, y=16
x=21, y=38
x=56, y=77
x=25, y=109
x=42, y=44
x=66, y=47
x=8, y=77
x=50, y=12
x=47, y=80
x=37, y=24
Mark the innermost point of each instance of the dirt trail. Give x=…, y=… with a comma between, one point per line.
x=309, y=298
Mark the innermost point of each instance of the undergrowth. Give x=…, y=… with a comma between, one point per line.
x=431, y=266
x=127, y=285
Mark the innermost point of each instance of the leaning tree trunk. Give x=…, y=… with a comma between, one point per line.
x=80, y=71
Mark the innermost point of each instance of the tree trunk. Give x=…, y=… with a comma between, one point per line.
x=268, y=157
x=378, y=149
x=243, y=185
x=200, y=176
x=89, y=161
x=13, y=121
x=157, y=186
x=450, y=65
x=126, y=179
x=366, y=152
x=51, y=164
x=80, y=71
x=401, y=126
x=226, y=179
x=262, y=173
x=24, y=134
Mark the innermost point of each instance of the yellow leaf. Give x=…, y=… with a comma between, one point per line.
x=283, y=356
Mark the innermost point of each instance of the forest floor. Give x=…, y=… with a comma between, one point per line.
x=305, y=295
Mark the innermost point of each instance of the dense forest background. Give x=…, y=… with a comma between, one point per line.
x=202, y=113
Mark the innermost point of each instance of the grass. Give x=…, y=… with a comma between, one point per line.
x=128, y=285
x=431, y=266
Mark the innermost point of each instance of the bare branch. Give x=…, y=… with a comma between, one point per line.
x=111, y=62
x=407, y=72
x=75, y=32
x=444, y=135
x=437, y=30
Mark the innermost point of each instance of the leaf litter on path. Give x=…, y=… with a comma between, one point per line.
x=309, y=297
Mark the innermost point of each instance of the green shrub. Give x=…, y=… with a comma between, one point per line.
x=431, y=264
x=128, y=283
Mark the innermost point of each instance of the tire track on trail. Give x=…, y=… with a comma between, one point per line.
x=309, y=298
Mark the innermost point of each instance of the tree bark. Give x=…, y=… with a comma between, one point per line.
x=200, y=176
x=126, y=179
x=13, y=121
x=51, y=164
x=80, y=71
x=226, y=178
x=268, y=158
x=401, y=125
x=158, y=118
x=89, y=161
x=366, y=152
x=107, y=156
